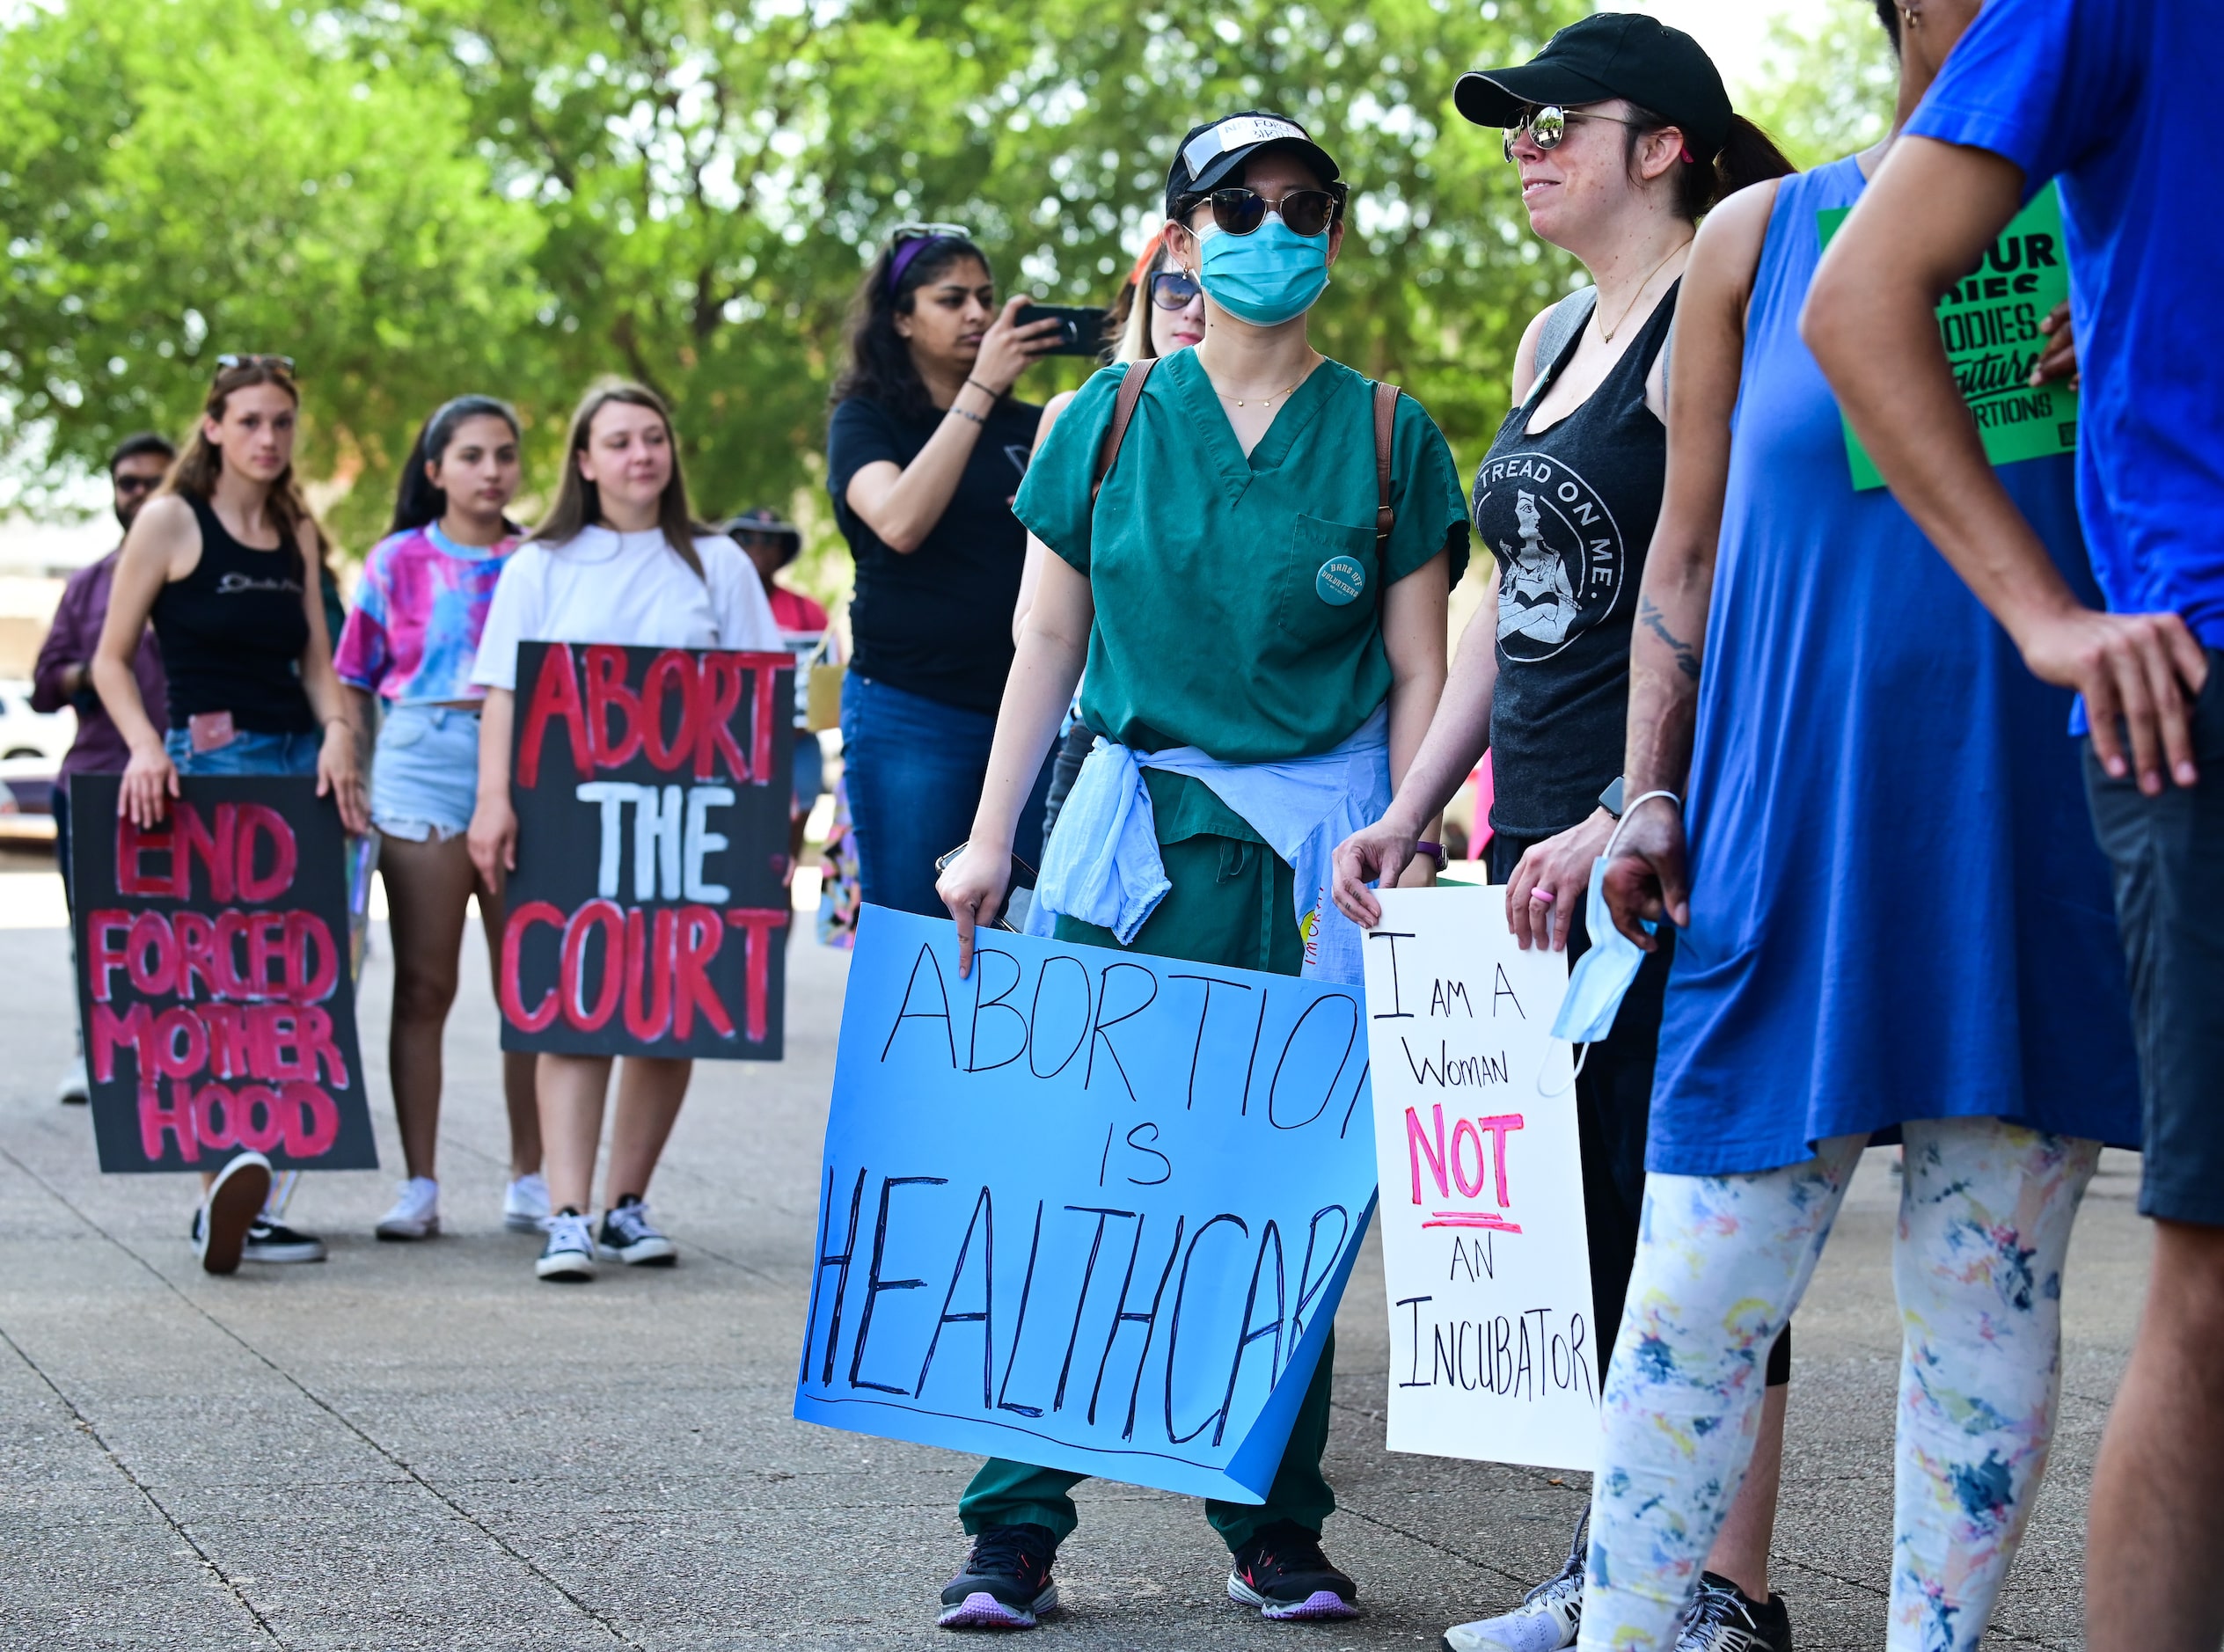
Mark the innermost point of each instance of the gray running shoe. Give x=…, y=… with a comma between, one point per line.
x=1548, y=1619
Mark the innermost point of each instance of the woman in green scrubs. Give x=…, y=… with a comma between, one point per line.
x=1241, y=617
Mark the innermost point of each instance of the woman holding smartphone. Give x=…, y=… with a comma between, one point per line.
x=924, y=448
x=619, y=560
x=223, y=562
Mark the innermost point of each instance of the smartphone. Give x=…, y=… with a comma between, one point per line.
x=1082, y=327
x=1022, y=877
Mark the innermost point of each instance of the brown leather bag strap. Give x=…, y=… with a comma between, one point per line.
x=1385, y=420
x=1132, y=384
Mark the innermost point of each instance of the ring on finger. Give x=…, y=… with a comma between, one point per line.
x=1543, y=897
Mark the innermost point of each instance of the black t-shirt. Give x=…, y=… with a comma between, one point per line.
x=937, y=623
x=1569, y=513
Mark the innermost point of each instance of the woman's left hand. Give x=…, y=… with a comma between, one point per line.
x=339, y=778
x=1552, y=881
x=2059, y=359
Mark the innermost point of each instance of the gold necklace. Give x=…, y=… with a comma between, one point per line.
x=1268, y=401
x=1607, y=334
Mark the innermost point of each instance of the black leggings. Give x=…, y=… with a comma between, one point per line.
x=1613, y=1103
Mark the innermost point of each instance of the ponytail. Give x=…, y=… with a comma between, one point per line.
x=1748, y=156
x=418, y=502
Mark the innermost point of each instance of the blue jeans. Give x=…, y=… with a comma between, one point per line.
x=247, y=754
x=914, y=767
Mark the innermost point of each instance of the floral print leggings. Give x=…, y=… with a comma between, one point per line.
x=1985, y=1214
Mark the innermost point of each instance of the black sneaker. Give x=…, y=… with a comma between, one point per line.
x=1283, y=1571
x=227, y=1211
x=269, y=1242
x=632, y=1237
x=1006, y=1581
x=1725, y=1619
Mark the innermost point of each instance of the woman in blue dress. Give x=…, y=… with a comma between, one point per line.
x=1893, y=919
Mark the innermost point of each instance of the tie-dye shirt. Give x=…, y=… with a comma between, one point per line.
x=422, y=602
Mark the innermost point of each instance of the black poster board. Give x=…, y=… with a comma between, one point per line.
x=213, y=980
x=648, y=911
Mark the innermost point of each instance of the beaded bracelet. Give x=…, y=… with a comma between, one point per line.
x=963, y=414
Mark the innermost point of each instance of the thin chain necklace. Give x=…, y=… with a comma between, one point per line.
x=1607, y=333
x=1269, y=401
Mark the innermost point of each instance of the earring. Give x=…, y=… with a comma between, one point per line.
x=1912, y=16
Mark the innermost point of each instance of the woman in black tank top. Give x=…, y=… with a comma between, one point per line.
x=1566, y=501
x=224, y=562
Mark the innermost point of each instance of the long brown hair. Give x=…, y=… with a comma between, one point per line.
x=196, y=471
x=579, y=502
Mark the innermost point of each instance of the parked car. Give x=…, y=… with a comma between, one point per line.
x=25, y=733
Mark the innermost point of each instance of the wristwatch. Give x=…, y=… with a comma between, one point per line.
x=1610, y=800
x=1435, y=852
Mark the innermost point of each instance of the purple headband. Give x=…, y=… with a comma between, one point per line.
x=907, y=254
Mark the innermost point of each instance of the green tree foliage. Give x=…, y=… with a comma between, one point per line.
x=1831, y=92
x=421, y=197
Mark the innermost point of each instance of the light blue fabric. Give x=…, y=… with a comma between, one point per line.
x=1603, y=974
x=1267, y=277
x=1103, y=867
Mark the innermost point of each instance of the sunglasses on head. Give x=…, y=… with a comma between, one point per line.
x=283, y=363
x=1308, y=212
x=1174, y=290
x=1547, y=124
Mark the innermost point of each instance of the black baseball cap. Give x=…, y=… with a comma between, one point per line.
x=1214, y=152
x=1610, y=55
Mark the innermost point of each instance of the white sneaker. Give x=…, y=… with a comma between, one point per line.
x=416, y=1212
x=569, y=1257
x=526, y=1204
x=76, y=1086
x=1548, y=1619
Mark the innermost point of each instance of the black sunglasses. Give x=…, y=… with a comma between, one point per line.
x=134, y=484
x=283, y=363
x=1174, y=290
x=1308, y=212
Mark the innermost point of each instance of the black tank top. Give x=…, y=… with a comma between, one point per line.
x=1570, y=513
x=233, y=632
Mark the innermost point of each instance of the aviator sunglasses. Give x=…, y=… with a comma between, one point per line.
x=1308, y=212
x=227, y=362
x=1547, y=124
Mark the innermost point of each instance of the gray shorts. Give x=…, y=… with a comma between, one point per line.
x=2168, y=856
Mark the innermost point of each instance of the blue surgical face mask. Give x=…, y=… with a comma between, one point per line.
x=1603, y=974
x=1271, y=276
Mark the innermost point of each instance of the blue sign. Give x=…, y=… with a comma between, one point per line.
x=1089, y=1209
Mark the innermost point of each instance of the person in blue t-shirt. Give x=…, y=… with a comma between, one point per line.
x=2111, y=96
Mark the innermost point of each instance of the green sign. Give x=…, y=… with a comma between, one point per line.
x=1989, y=322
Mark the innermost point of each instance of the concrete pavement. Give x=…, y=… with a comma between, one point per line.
x=420, y=1446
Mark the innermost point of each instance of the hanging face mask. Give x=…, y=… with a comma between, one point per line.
x=1602, y=975
x=1271, y=276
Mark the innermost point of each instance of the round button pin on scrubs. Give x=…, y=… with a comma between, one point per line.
x=1340, y=580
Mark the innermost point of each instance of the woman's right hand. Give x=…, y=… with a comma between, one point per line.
x=1376, y=853
x=493, y=840
x=150, y=781
x=972, y=886
x=1008, y=349
x=1647, y=879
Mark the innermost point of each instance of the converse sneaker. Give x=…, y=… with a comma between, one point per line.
x=1548, y=1619
x=526, y=1204
x=416, y=1212
x=1725, y=1619
x=76, y=1088
x=569, y=1257
x=228, y=1211
x=1283, y=1571
x=1005, y=1583
x=630, y=1237
x=269, y=1242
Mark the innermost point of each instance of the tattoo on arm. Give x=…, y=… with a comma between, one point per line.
x=1649, y=616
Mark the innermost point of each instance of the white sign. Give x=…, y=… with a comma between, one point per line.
x=1493, y=1353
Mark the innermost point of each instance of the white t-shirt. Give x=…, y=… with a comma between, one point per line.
x=623, y=588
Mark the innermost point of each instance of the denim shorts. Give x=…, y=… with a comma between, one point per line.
x=2168, y=856
x=247, y=753
x=424, y=776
